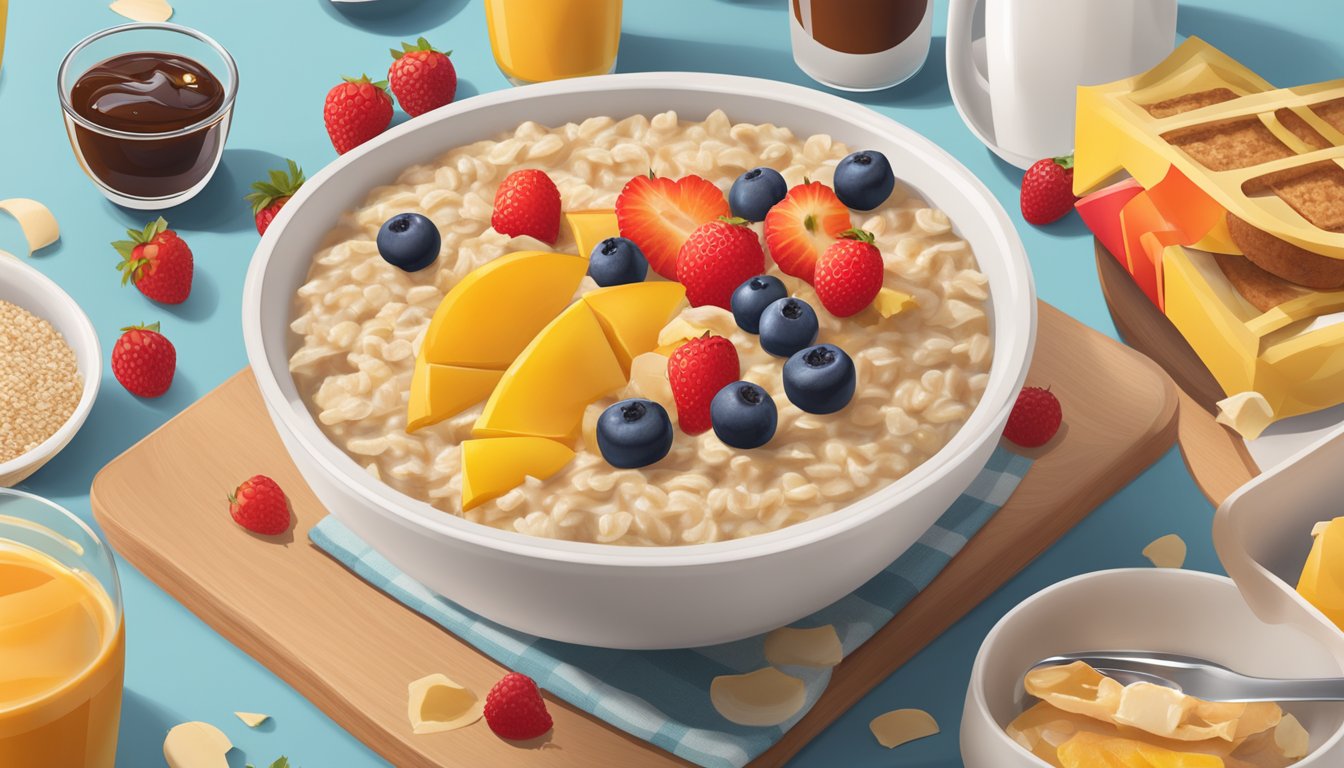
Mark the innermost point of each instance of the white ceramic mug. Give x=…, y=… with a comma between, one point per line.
x=1039, y=51
x=860, y=45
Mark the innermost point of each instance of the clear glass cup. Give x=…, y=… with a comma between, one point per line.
x=537, y=40
x=62, y=638
x=149, y=171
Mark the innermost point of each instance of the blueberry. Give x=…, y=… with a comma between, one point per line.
x=819, y=379
x=409, y=242
x=743, y=415
x=752, y=297
x=634, y=433
x=617, y=261
x=788, y=325
x=863, y=180
x=756, y=192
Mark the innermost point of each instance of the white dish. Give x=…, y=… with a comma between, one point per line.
x=24, y=286
x=1166, y=610
x=972, y=102
x=657, y=597
x=1263, y=533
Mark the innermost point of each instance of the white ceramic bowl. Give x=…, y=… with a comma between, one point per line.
x=24, y=286
x=1166, y=610
x=632, y=597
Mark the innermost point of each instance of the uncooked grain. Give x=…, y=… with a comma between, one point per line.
x=40, y=384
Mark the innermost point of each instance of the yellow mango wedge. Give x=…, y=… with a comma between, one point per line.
x=545, y=391
x=1322, y=582
x=492, y=467
x=488, y=317
x=1091, y=750
x=591, y=227
x=633, y=315
x=440, y=391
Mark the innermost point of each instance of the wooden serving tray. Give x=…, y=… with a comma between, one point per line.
x=351, y=650
x=1216, y=456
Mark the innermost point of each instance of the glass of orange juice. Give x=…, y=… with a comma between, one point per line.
x=536, y=40
x=4, y=11
x=62, y=639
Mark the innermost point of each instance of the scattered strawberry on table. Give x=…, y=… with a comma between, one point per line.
x=802, y=226
x=514, y=709
x=355, y=111
x=157, y=262
x=1047, y=190
x=659, y=214
x=717, y=257
x=527, y=203
x=269, y=195
x=849, y=273
x=144, y=360
x=1035, y=418
x=421, y=77
x=260, y=506
x=696, y=371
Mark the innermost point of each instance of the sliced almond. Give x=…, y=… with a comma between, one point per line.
x=902, y=726
x=1247, y=413
x=815, y=647
x=764, y=697
x=1166, y=552
x=143, y=10
x=35, y=219
x=1291, y=738
x=251, y=719
x=437, y=704
x=196, y=745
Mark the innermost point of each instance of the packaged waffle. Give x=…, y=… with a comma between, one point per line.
x=1223, y=197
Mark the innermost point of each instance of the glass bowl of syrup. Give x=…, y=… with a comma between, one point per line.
x=147, y=108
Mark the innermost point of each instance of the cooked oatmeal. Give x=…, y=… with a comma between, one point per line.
x=358, y=323
x=40, y=385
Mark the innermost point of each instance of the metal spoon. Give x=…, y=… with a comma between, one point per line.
x=1200, y=678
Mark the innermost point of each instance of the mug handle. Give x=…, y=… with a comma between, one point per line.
x=964, y=78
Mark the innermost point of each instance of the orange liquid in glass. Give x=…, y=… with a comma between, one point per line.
x=62, y=659
x=537, y=40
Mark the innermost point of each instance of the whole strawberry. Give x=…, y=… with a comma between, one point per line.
x=849, y=273
x=1047, y=190
x=697, y=371
x=514, y=709
x=421, y=77
x=356, y=110
x=1035, y=418
x=269, y=195
x=260, y=506
x=144, y=360
x=527, y=203
x=157, y=261
x=717, y=258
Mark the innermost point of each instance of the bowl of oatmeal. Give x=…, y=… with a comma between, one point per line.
x=50, y=369
x=710, y=544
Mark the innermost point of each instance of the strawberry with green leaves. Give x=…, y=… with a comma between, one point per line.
x=421, y=77
x=355, y=111
x=157, y=262
x=269, y=195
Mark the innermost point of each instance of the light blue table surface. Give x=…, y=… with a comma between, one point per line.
x=289, y=53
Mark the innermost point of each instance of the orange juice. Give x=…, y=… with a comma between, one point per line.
x=536, y=40
x=62, y=657
x=4, y=6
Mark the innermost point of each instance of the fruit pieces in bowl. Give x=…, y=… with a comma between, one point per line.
x=1084, y=718
x=929, y=315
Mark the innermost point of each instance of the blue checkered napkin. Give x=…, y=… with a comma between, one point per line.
x=663, y=696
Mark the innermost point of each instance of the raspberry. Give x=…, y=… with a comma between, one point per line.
x=514, y=709
x=1035, y=418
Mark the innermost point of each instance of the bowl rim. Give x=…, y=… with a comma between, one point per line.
x=87, y=339
x=976, y=686
x=1008, y=368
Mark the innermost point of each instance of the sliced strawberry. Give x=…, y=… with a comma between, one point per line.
x=802, y=226
x=660, y=214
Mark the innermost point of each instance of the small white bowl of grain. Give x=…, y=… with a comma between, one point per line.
x=50, y=368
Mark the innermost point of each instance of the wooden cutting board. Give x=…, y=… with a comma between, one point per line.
x=351, y=650
x=1216, y=456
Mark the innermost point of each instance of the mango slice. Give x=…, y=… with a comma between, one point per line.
x=545, y=391
x=591, y=227
x=491, y=467
x=488, y=317
x=1322, y=582
x=633, y=315
x=440, y=391
x=1090, y=750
